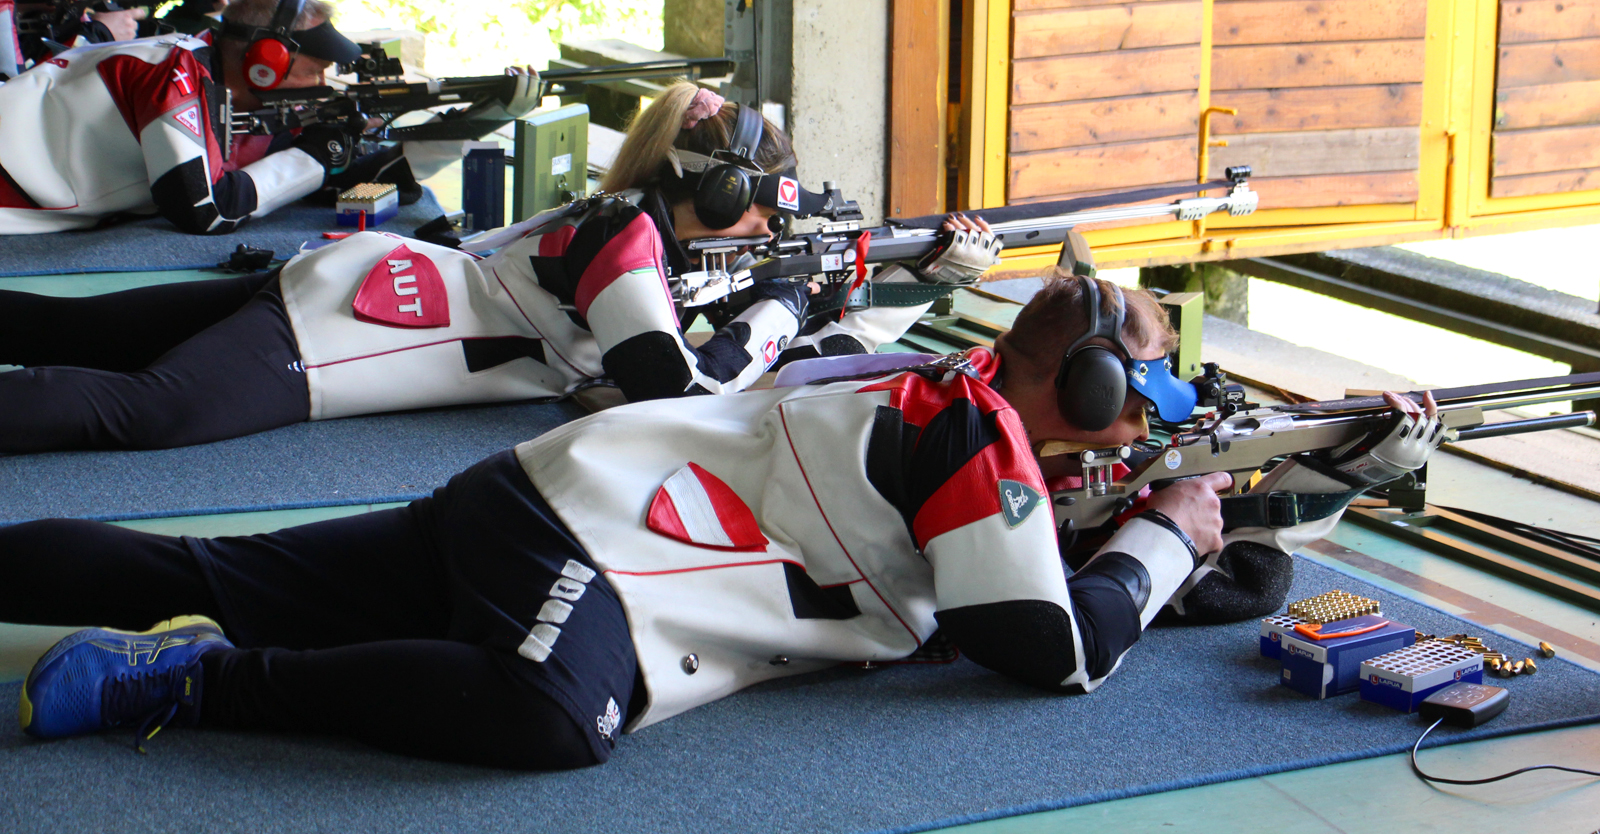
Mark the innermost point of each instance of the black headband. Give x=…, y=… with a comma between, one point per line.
x=320, y=41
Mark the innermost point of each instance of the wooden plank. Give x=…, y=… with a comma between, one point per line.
x=1547, y=105
x=1022, y=7
x=1318, y=108
x=1316, y=65
x=1554, y=182
x=1126, y=165
x=1105, y=28
x=1527, y=21
x=1546, y=149
x=1105, y=75
x=1337, y=190
x=917, y=111
x=1530, y=64
x=1299, y=21
x=1068, y=124
x=1321, y=152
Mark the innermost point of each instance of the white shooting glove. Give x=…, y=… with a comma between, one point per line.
x=965, y=257
x=1382, y=456
x=521, y=100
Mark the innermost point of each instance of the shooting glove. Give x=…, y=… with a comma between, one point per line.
x=964, y=257
x=793, y=296
x=519, y=97
x=329, y=144
x=1391, y=452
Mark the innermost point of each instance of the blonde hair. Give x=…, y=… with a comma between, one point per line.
x=642, y=159
x=1054, y=318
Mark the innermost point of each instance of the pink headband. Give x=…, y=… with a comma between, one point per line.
x=705, y=105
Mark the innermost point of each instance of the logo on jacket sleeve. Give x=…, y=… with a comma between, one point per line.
x=696, y=507
x=1018, y=501
x=403, y=290
x=607, y=724
x=189, y=117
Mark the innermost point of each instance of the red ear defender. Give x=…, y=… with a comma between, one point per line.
x=266, y=62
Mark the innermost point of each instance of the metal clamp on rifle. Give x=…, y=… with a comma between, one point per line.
x=716, y=279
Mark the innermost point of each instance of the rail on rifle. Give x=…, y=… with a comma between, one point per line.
x=382, y=95
x=1243, y=440
x=829, y=255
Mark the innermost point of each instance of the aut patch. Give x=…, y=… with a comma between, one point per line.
x=1018, y=501
x=403, y=290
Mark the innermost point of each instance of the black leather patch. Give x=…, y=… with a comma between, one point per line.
x=1123, y=569
x=483, y=354
x=723, y=358
x=814, y=602
x=648, y=366
x=841, y=345
x=1026, y=639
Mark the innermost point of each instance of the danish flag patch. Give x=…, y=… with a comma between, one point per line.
x=696, y=507
x=189, y=117
x=403, y=290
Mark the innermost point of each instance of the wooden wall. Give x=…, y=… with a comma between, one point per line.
x=1329, y=95
x=1547, y=98
x=1103, y=96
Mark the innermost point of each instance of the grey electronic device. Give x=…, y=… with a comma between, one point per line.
x=552, y=153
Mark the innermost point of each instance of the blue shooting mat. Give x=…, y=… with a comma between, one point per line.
x=906, y=748
x=152, y=243
x=356, y=460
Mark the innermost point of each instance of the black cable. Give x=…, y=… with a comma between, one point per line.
x=1575, y=543
x=1418, y=768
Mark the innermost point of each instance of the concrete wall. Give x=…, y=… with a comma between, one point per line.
x=839, y=99
x=827, y=63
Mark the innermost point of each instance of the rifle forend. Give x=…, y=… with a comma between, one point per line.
x=1243, y=442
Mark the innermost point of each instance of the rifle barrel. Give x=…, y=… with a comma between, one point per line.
x=1554, y=421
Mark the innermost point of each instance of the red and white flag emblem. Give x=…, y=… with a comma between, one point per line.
x=788, y=194
x=696, y=507
x=189, y=117
x=403, y=290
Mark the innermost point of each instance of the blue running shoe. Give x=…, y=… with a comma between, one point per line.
x=101, y=678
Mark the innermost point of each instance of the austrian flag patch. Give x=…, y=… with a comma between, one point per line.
x=696, y=507
x=403, y=289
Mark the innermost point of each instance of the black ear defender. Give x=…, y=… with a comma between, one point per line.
x=727, y=188
x=1092, y=384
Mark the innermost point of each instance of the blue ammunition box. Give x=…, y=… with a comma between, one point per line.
x=1402, y=679
x=1324, y=668
x=1272, y=631
x=381, y=202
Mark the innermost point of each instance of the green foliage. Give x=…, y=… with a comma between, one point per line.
x=481, y=36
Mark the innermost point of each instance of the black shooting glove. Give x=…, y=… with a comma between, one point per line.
x=793, y=296
x=330, y=144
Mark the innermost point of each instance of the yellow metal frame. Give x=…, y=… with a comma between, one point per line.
x=1454, y=159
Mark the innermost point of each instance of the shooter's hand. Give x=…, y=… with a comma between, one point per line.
x=793, y=296
x=524, y=96
x=969, y=250
x=123, y=24
x=330, y=144
x=1398, y=448
x=1192, y=504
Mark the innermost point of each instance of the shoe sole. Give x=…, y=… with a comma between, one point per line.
x=78, y=638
